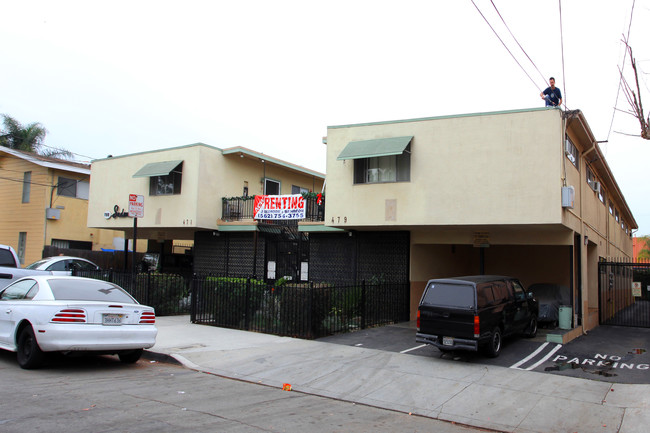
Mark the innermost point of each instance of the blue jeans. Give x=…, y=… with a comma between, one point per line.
x=547, y=98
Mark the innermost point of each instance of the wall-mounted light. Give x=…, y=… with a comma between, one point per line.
x=586, y=240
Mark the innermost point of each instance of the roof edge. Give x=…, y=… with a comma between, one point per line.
x=452, y=116
x=280, y=162
x=158, y=150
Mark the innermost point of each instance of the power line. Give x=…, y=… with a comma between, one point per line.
x=29, y=182
x=505, y=46
x=562, y=47
x=620, y=79
x=73, y=153
x=513, y=37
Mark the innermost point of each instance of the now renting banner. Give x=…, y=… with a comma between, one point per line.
x=279, y=207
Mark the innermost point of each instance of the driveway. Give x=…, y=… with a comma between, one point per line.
x=608, y=353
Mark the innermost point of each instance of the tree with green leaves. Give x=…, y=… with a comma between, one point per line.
x=28, y=138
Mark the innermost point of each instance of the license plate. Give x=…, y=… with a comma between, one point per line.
x=447, y=341
x=112, y=319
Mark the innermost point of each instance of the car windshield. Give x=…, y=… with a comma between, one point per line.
x=70, y=289
x=35, y=265
x=449, y=295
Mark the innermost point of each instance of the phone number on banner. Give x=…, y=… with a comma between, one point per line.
x=280, y=216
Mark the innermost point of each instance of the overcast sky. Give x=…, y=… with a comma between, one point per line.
x=127, y=76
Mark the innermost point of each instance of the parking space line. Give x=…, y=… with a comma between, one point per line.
x=413, y=348
x=532, y=367
x=529, y=357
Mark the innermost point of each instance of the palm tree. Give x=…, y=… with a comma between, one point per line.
x=28, y=138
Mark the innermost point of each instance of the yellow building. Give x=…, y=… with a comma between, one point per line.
x=526, y=193
x=45, y=202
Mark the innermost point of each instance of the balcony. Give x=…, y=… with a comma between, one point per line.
x=241, y=208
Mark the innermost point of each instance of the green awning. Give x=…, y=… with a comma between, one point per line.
x=157, y=169
x=375, y=148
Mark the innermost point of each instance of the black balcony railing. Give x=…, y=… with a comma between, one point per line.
x=242, y=208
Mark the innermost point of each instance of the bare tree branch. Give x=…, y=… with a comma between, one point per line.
x=634, y=99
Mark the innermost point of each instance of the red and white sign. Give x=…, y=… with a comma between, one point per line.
x=136, y=206
x=279, y=207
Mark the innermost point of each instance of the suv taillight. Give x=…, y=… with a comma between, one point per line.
x=477, y=327
x=418, y=320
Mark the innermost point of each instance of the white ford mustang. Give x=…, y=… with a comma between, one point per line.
x=44, y=313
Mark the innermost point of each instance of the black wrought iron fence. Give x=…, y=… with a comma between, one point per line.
x=168, y=294
x=624, y=294
x=297, y=310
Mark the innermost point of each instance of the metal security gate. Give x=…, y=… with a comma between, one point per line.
x=624, y=297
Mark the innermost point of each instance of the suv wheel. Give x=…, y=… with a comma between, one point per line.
x=494, y=345
x=531, y=331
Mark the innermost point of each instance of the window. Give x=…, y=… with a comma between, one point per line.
x=484, y=295
x=594, y=184
x=450, y=295
x=169, y=184
x=271, y=187
x=298, y=190
x=83, y=189
x=85, y=290
x=602, y=196
x=22, y=244
x=617, y=215
x=27, y=185
x=520, y=295
x=381, y=169
x=77, y=245
x=590, y=177
x=66, y=187
x=571, y=152
x=7, y=258
x=501, y=291
x=73, y=188
x=611, y=208
x=25, y=289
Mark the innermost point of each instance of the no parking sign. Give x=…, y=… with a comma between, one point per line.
x=136, y=206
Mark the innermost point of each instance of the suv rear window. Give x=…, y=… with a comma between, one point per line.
x=449, y=295
x=72, y=289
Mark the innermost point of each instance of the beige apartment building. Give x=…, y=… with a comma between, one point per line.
x=197, y=193
x=45, y=202
x=526, y=193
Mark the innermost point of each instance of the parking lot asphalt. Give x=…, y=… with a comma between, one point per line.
x=608, y=353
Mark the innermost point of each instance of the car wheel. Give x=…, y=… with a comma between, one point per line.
x=130, y=357
x=29, y=355
x=531, y=331
x=494, y=345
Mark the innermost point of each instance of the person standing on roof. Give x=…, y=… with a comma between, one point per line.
x=552, y=95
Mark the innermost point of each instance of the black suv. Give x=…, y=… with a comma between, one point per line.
x=468, y=313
